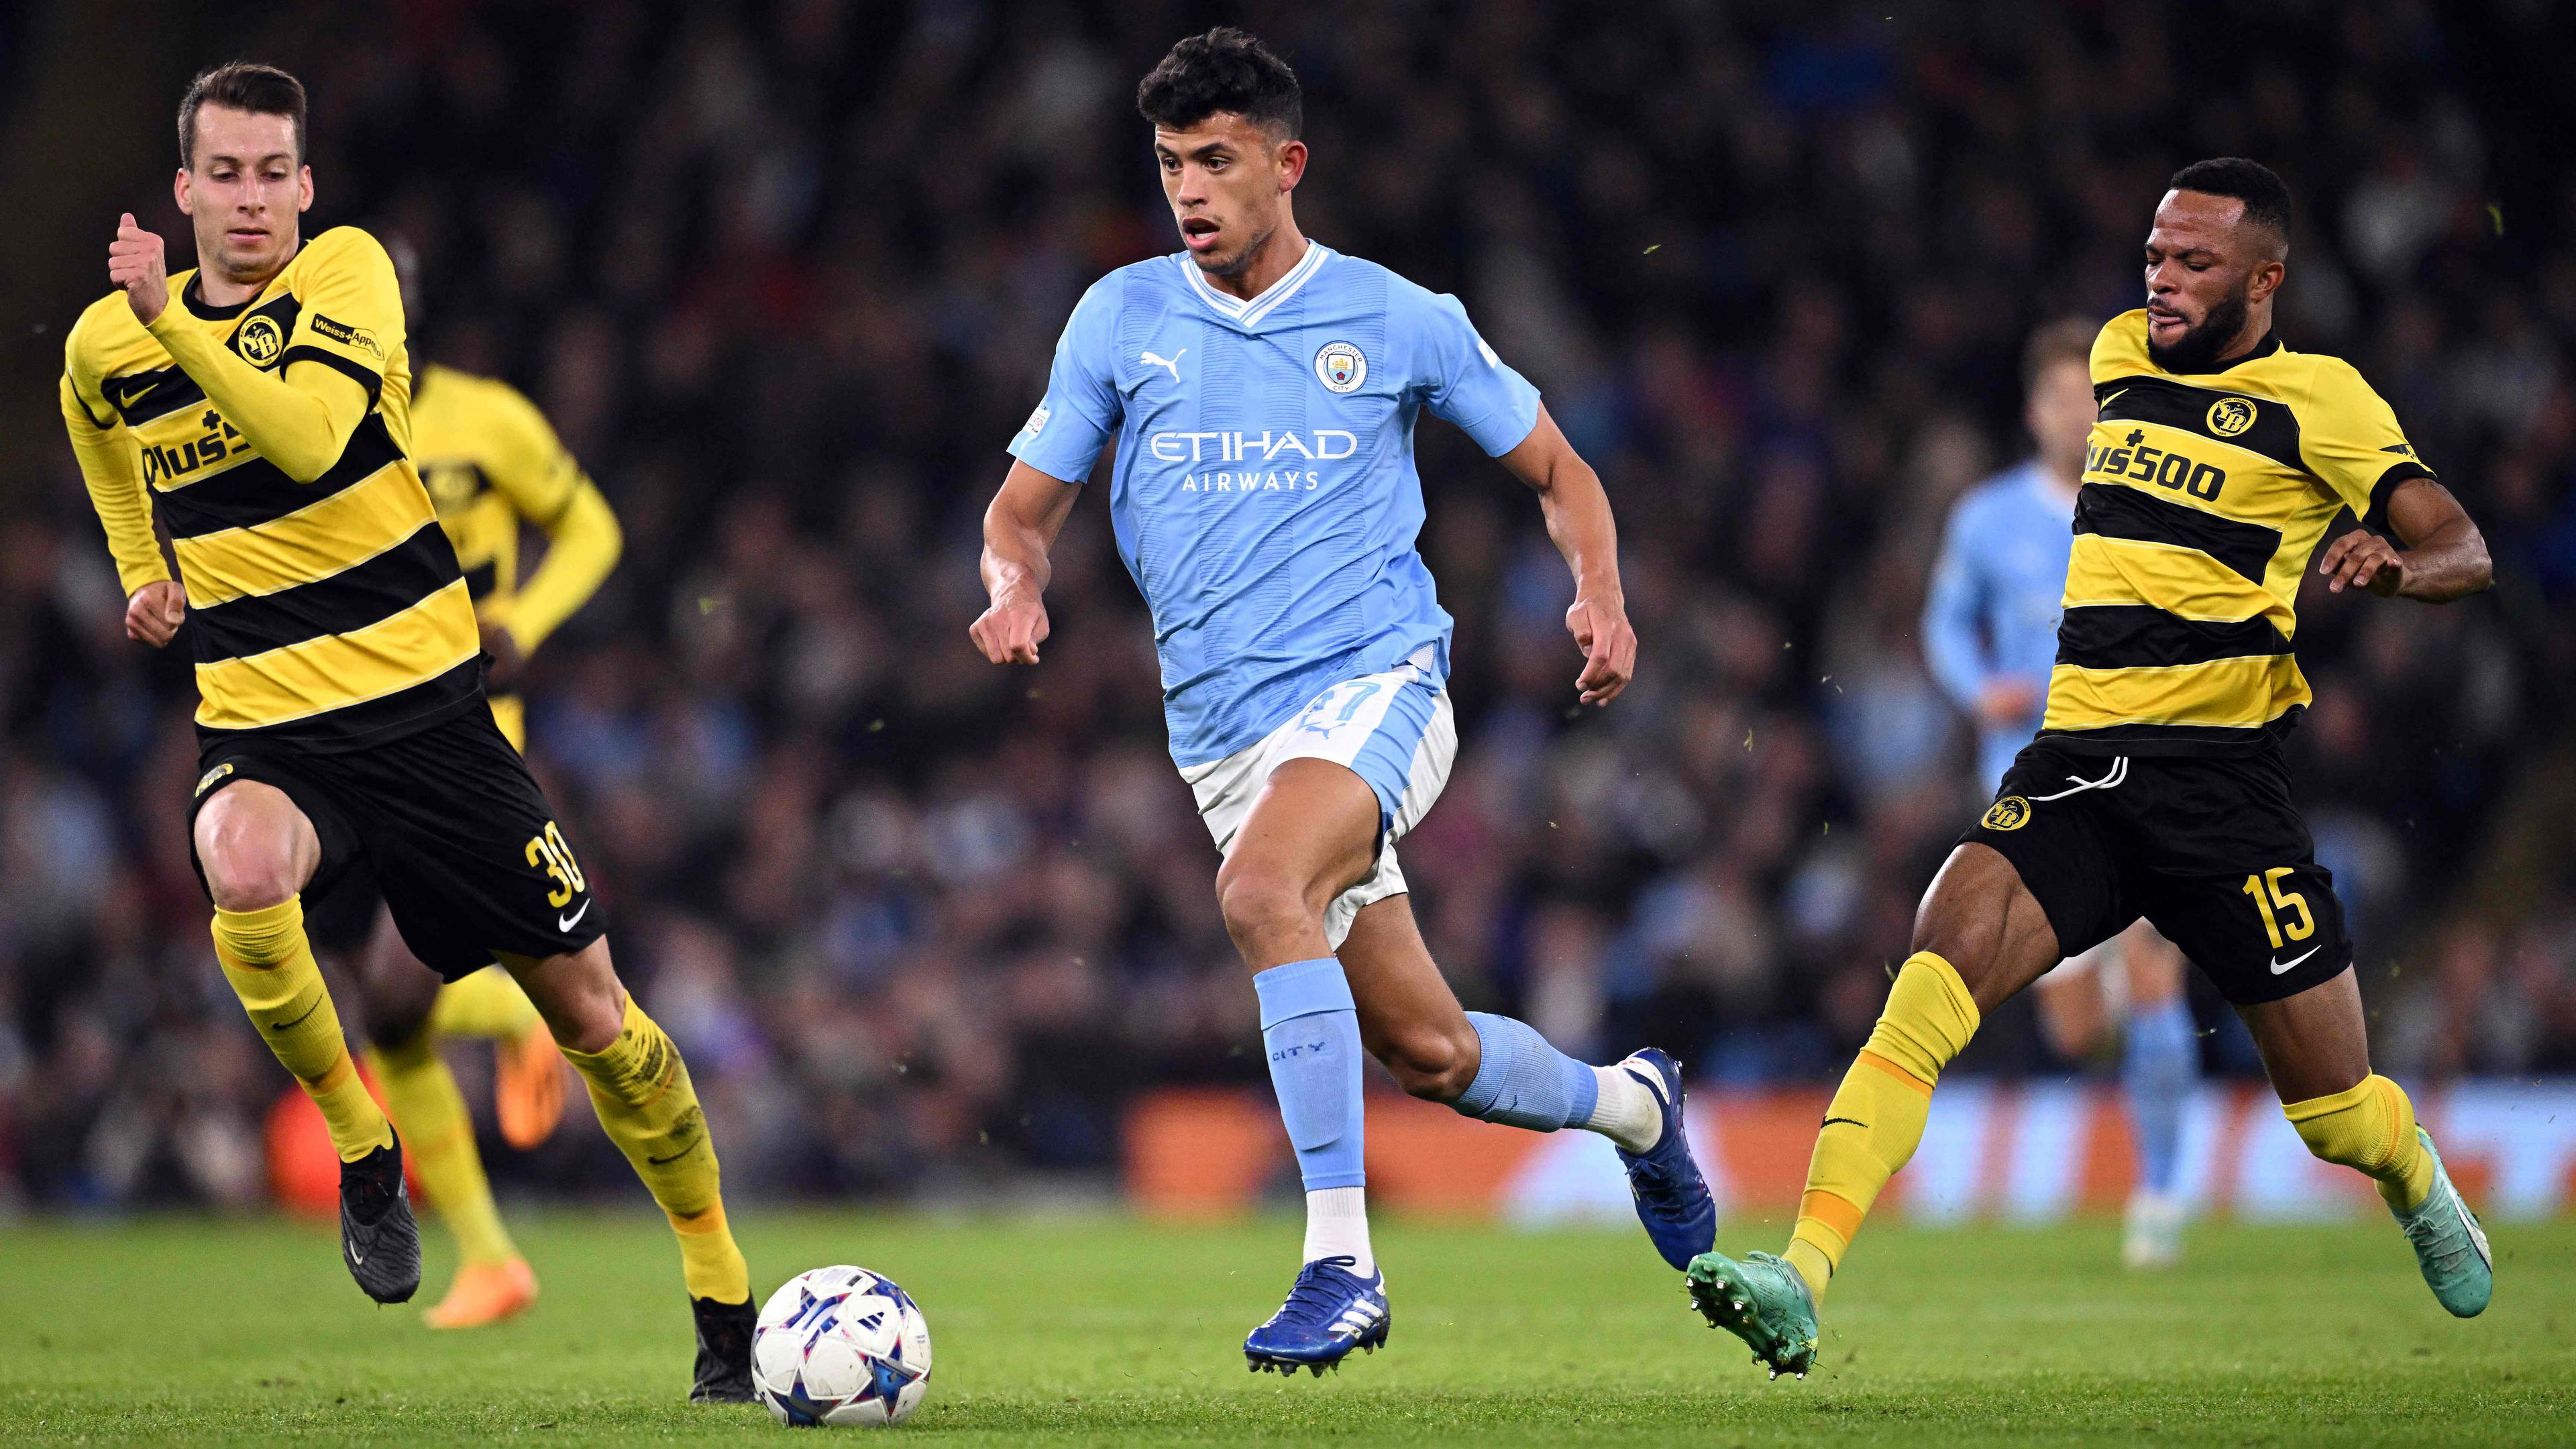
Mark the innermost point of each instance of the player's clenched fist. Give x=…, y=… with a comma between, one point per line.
x=135, y=262
x=1609, y=648
x=1010, y=633
x=155, y=612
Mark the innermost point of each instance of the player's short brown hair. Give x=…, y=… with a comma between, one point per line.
x=241, y=85
x=2068, y=339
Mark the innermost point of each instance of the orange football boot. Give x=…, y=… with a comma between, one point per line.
x=485, y=1293
x=527, y=1087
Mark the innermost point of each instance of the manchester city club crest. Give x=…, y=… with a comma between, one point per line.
x=1341, y=367
x=2231, y=415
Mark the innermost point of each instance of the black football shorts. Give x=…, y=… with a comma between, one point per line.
x=445, y=825
x=2210, y=849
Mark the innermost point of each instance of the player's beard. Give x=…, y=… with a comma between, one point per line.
x=2198, y=348
x=1234, y=266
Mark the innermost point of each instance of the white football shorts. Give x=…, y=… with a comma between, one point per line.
x=1396, y=730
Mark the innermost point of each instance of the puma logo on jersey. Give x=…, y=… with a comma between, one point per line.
x=1173, y=362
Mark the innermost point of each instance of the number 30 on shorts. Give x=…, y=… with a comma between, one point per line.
x=2270, y=900
x=550, y=851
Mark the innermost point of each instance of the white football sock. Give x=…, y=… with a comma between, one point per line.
x=1337, y=1226
x=1628, y=1111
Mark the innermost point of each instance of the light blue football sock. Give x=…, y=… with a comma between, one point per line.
x=1312, y=1031
x=2163, y=1061
x=1523, y=1081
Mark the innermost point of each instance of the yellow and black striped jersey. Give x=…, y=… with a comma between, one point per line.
x=491, y=463
x=2204, y=497
x=328, y=611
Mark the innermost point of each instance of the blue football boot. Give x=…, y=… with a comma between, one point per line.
x=1330, y=1312
x=1672, y=1198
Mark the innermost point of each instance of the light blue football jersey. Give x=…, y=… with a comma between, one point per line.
x=1997, y=593
x=1264, y=495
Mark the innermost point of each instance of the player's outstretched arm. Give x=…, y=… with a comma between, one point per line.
x=1579, y=521
x=2445, y=556
x=1019, y=529
x=299, y=420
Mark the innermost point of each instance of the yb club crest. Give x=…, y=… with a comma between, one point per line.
x=260, y=341
x=2230, y=416
x=1341, y=367
x=2009, y=813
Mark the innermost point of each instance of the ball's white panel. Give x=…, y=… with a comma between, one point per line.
x=916, y=1339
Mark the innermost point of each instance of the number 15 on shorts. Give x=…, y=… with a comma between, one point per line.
x=2270, y=901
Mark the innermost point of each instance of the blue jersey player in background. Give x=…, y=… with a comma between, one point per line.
x=1260, y=391
x=1990, y=636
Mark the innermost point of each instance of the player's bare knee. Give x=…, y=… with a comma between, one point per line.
x=589, y=1018
x=1979, y=917
x=1430, y=1063
x=1261, y=905
x=251, y=857
x=579, y=995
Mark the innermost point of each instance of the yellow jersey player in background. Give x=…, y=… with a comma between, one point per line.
x=2156, y=789
x=494, y=468
x=260, y=404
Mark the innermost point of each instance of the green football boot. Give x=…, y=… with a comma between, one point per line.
x=1763, y=1301
x=2449, y=1245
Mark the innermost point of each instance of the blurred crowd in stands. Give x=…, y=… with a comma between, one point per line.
x=787, y=276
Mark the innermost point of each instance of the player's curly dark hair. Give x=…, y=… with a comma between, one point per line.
x=1223, y=70
x=2265, y=194
x=262, y=90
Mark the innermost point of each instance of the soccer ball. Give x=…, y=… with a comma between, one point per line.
x=840, y=1346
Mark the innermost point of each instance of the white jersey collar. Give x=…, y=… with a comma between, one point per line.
x=1247, y=312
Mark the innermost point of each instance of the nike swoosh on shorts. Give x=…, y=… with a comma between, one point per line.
x=2280, y=966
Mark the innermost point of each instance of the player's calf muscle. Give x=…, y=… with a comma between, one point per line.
x=258, y=850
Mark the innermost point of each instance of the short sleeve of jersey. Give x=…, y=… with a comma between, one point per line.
x=524, y=459
x=351, y=315
x=1082, y=408
x=1465, y=383
x=2348, y=436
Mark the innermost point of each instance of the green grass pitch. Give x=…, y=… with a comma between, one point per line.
x=1103, y=1330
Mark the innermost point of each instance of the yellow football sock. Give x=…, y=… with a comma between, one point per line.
x=2369, y=1126
x=641, y=1089
x=438, y=1137
x=488, y=1003
x=1876, y=1120
x=271, y=968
